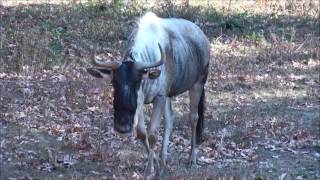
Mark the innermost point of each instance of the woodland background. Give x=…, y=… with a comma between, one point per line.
x=262, y=118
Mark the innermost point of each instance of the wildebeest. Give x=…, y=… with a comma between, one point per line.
x=164, y=57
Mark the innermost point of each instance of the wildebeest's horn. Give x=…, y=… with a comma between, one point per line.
x=141, y=65
x=110, y=64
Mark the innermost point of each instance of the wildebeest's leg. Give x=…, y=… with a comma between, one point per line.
x=195, y=94
x=139, y=123
x=158, y=105
x=168, y=116
x=142, y=131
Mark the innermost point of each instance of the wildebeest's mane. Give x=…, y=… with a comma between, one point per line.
x=148, y=32
x=145, y=36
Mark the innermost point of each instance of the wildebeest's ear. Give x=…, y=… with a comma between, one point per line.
x=151, y=74
x=100, y=73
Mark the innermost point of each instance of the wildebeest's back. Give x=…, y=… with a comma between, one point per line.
x=190, y=55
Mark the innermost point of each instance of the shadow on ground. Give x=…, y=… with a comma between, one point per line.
x=262, y=96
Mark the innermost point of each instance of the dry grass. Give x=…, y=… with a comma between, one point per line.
x=262, y=92
x=42, y=36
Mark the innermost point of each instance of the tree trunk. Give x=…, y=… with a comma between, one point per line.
x=229, y=7
x=116, y=1
x=186, y=3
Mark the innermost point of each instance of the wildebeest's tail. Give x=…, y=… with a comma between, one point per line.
x=201, y=109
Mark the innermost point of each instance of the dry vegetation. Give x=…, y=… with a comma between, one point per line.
x=262, y=119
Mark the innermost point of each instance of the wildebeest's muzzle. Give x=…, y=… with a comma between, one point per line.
x=123, y=121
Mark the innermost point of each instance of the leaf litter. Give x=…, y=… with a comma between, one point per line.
x=262, y=116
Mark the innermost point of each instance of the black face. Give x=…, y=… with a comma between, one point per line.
x=126, y=82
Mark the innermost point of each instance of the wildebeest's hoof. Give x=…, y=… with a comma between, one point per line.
x=163, y=171
x=149, y=176
x=193, y=165
x=149, y=172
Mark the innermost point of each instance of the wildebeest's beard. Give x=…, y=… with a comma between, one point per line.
x=126, y=83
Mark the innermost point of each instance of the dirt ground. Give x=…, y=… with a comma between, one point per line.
x=55, y=128
x=262, y=119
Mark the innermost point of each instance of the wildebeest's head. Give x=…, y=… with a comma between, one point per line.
x=126, y=77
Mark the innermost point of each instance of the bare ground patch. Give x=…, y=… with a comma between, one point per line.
x=262, y=118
